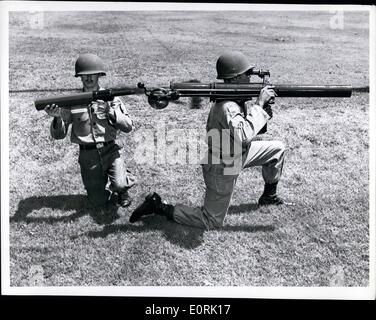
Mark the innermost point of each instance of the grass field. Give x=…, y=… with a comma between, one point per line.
x=323, y=237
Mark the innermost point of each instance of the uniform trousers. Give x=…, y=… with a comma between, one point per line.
x=100, y=166
x=220, y=186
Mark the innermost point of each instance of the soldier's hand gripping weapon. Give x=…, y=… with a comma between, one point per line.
x=160, y=97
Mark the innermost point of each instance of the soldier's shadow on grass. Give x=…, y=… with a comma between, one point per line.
x=241, y=208
x=180, y=235
x=77, y=203
x=183, y=236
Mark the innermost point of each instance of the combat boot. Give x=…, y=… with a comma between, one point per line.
x=270, y=200
x=152, y=205
x=269, y=196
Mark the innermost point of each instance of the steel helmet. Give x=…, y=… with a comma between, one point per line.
x=89, y=63
x=231, y=64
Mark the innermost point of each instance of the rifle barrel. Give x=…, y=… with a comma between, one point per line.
x=313, y=91
x=84, y=98
x=188, y=89
x=64, y=101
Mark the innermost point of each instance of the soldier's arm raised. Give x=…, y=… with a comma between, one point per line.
x=118, y=116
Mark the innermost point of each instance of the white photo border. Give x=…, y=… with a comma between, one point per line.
x=351, y=293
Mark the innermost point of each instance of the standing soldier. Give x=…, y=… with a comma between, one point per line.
x=237, y=123
x=95, y=128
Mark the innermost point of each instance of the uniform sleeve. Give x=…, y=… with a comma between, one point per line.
x=122, y=120
x=59, y=128
x=247, y=127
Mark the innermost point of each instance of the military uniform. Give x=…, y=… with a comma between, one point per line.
x=242, y=122
x=99, y=158
x=231, y=128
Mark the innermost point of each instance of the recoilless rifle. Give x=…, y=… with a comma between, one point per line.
x=159, y=97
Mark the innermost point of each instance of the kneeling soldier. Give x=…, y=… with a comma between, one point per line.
x=237, y=122
x=95, y=128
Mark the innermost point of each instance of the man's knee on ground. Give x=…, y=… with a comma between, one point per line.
x=98, y=201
